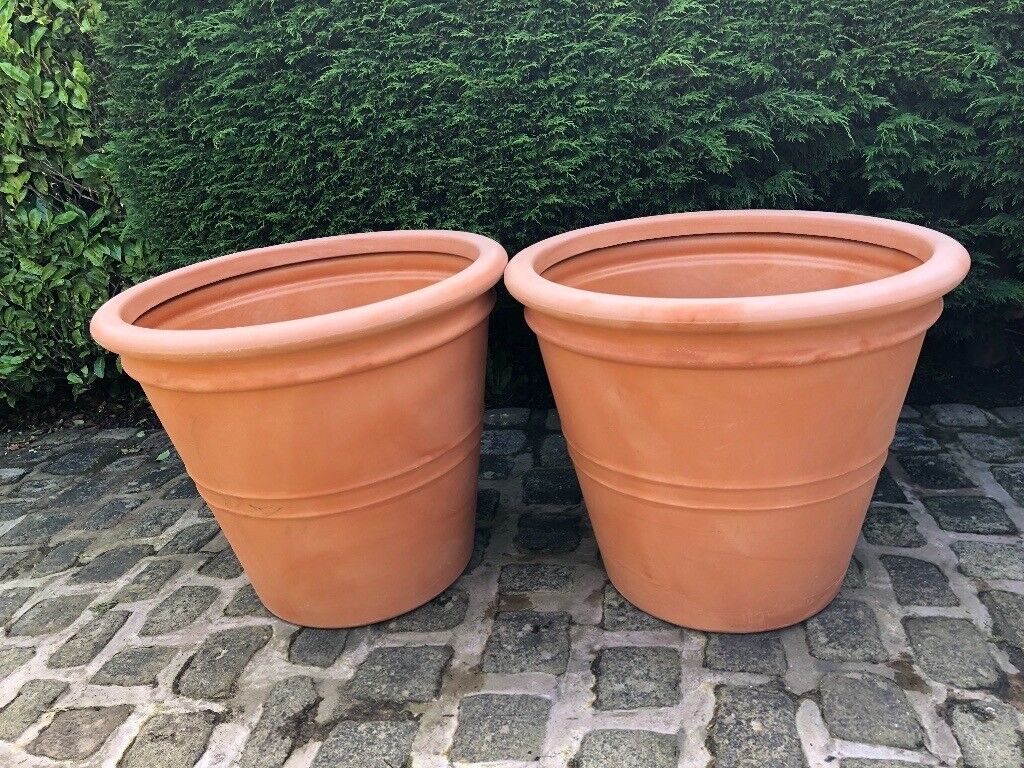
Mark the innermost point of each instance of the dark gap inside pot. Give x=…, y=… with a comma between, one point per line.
x=299, y=290
x=733, y=265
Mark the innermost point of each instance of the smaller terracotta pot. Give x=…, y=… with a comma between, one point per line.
x=326, y=396
x=729, y=383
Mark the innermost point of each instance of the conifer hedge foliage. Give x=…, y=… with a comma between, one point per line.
x=239, y=123
x=63, y=249
x=245, y=122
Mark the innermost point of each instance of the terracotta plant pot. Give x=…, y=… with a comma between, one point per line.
x=729, y=383
x=326, y=396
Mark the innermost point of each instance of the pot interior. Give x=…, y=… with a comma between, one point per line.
x=304, y=289
x=730, y=265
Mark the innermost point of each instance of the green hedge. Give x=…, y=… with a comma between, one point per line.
x=250, y=122
x=62, y=246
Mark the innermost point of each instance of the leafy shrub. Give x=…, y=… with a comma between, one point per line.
x=62, y=247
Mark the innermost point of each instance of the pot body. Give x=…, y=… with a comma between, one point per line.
x=342, y=469
x=727, y=499
x=727, y=464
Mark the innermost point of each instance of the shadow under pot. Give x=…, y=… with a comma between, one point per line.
x=729, y=383
x=326, y=396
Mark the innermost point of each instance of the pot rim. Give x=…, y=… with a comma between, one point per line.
x=113, y=325
x=944, y=264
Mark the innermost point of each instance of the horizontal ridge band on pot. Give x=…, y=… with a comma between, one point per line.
x=114, y=325
x=693, y=495
x=381, y=490
x=943, y=263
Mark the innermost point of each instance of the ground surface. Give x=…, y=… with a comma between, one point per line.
x=133, y=639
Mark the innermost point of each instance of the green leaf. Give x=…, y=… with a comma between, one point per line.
x=15, y=73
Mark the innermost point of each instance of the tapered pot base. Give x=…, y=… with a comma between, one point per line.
x=360, y=566
x=738, y=568
x=664, y=603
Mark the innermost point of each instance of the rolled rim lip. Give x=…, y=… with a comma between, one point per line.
x=945, y=263
x=113, y=325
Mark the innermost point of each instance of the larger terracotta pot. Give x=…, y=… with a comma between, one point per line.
x=326, y=397
x=729, y=383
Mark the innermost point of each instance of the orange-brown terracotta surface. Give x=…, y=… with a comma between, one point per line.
x=326, y=396
x=729, y=383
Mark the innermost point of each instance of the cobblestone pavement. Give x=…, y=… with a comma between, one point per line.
x=133, y=639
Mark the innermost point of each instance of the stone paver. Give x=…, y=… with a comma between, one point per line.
x=958, y=415
x=179, y=609
x=520, y=578
x=37, y=528
x=223, y=565
x=148, y=581
x=988, y=734
x=992, y=448
x=506, y=417
x=14, y=657
x=60, y=558
x=289, y=707
x=75, y=734
x=370, y=744
x=190, y=539
x=892, y=527
x=554, y=452
x=918, y=582
x=115, y=579
x=634, y=678
x=938, y=472
x=170, y=741
x=49, y=616
x=528, y=641
x=969, y=514
x=500, y=727
x=89, y=640
x=1012, y=415
x=548, y=534
x=626, y=749
x=34, y=698
x=1012, y=480
x=913, y=438
x=1007, y=611
x=111, y=513
x=864, y=707
x=846, y=631
x=401, y=674
x=952, y=651
x=134, y=666
x=755, y=727
x=212, y=672
x=446, y=611
x=112, y=564
x=887, y=490
x=11, y=600
x=621, y=615
x=760, y=653
x=988, y=560
x=246, y=603
x=502, y=442
x=317, y=647
x=551, y=485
